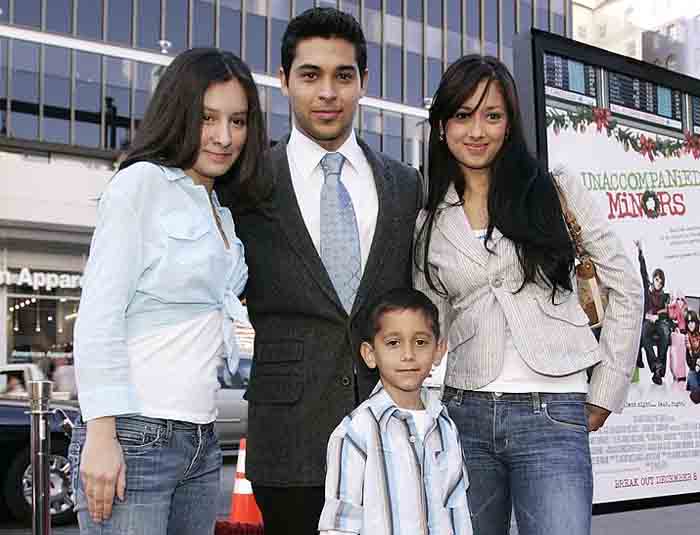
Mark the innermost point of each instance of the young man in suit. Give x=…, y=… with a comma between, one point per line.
x=335, y=231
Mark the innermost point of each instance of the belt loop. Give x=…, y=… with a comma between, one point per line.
x=536, y=403
x=460, y=396
x=168, y=429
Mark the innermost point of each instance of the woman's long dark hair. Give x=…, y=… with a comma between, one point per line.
x=522, y=198
x=170, y=132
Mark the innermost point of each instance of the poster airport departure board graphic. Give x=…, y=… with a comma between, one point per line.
x=630, y=132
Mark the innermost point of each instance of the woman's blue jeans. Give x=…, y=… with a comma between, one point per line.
x=529, y=453
x=172, y=479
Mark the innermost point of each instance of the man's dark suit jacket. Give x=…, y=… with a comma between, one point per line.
x=307, y=372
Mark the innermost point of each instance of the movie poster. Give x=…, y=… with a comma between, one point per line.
x=643, y=172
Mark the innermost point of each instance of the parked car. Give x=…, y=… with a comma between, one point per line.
x=15, y=454
x=232, y=419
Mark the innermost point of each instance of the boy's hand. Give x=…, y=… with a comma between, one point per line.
x=596, y=416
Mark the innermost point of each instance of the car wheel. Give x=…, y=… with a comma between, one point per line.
x=18, y=486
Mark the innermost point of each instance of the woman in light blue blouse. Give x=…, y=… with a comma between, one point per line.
x=160, y=295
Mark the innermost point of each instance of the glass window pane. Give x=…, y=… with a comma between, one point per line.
x=557, y=8
x=507, y=23
x=256, y=42
x=230, y=26
x=58, y=16
x=394, y=73
x=414, y=36
x=25, y=71
x=28, y=13
x=392, y=138
x=394, y=7
x=203, y=23
x=414, y=10
x=303, y=5
x=3, y=86
x=454, y=46
x=4, y=11
x=393, y=30
x=277, y=28
x=147, y=76
x=87, y=97
x=434, y=75
x=491, y=23
x=473, y=37
x=371, y=121
x=372, y=25
x=280, y=9
x=279, y=125
x=525, y=15
x=414, y=75
x=148, y=24
x=119, y=17
x=453, y=14
x=374, y=68
x=435, y=14
x=433, y=45
x=57, y=84
x=90, y=19
x=118, y=102
x=176, y=18
x=542, y=20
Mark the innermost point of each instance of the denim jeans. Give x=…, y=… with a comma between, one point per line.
x=172, y=479
x=529, y=453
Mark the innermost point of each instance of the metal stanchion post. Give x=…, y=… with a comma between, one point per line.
x=40, y=396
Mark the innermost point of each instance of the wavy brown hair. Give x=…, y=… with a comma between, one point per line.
x=170, y=133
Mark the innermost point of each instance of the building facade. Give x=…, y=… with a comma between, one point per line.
x=76, y=77
x=663, y=32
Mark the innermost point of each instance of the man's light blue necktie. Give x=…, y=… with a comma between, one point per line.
x=340, y=239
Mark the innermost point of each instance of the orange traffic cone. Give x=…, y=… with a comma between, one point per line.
x=245, y=517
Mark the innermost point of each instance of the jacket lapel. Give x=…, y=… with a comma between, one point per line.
x=454, y=226
x=385, y=183
x=292, y=222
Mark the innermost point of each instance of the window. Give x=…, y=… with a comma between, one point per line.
x=28, y=13
x=90, y=19
x=203, y=23
x=118, y=102
x=256, y=42
x=230, y=26
x=59, y=14
x=392, y=138
x=176, y=17
x=87, y=99
x=279, y=122
x=148, y=21
x=119, y=16
x=57, y=95
x=25, y=90
x=374, y=69
x=414, y=77
x=394, y=73
x=371, y=127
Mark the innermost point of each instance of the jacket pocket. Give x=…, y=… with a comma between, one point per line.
x=277, y=376
x=187, y=240
x=183, y=227
x=462, y=330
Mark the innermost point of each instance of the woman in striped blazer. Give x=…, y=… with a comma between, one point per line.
x=494, y=253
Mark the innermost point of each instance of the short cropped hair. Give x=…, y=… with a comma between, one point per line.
x=400, y=299
x=326, y=22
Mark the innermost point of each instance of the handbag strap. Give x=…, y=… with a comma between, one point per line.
x=571, y=223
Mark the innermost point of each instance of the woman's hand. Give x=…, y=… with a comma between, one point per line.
x=596, y=416
x=102, y=468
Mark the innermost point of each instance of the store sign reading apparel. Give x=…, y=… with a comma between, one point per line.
x=40, y=279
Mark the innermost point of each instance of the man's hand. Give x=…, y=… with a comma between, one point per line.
x=596, y=416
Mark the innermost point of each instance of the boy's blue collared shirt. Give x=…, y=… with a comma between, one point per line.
x=383, y=479
x=156, y=259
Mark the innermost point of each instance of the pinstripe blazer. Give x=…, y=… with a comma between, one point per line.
x=552, y=338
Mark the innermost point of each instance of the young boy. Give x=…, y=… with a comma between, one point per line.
x=395, y=464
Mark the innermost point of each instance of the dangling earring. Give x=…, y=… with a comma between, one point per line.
x=442, y=136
